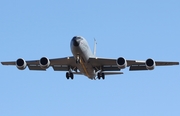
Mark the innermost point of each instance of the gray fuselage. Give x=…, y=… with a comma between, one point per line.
x=82, y=52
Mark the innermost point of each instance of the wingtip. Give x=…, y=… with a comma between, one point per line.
x=3, y=63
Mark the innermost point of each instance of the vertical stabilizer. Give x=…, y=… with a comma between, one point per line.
x=95, y=47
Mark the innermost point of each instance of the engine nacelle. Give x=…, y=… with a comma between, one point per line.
x=121, y=63
x=150, y=64
x=44, y=63
x=21, y=64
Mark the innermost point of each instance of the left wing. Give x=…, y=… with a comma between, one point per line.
x=58, y=64
x=107, y=64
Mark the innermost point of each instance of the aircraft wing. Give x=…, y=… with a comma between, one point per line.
x=58, y=64
x=107, y=64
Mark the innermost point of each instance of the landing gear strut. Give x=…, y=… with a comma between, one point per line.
x=69, y=75
x=77, y=59
x=101, y=75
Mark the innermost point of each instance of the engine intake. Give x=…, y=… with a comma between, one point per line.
x=150, y=64
x=121, y=62
x=44, y=63
x=21, y=64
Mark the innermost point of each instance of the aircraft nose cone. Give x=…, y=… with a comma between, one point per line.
x=76, y=41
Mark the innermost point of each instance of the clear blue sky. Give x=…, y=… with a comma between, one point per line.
x=132, y=29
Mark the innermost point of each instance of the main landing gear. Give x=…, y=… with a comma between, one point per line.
x=69, y=75
x=101, y=75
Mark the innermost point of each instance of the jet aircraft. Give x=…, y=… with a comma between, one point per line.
x=85, y=62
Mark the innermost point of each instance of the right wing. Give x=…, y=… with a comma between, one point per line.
x=58, y=64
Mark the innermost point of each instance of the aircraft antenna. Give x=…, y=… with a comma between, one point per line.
x=95, y=47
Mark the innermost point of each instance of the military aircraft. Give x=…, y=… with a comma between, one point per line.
x=85, y=62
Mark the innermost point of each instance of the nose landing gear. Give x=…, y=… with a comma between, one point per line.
x=78, y=60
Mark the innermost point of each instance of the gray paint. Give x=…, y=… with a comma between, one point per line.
x=84, y=52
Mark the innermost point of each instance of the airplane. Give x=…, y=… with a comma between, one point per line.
x=85, y=62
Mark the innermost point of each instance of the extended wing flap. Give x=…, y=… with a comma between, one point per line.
x=136, y=68
x=102, y=61
x=36, y=68
x=63, y=61
x=111, y=73
x=161, y=63
x=104, y=64
x=60, y=67
x=110, y=68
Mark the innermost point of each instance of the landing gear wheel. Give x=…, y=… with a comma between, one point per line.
x=67, y=75
x=99, y=76
x=72, y=76
x=103, y=76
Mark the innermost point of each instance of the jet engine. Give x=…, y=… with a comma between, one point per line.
x=44, y=63
x=121, y=63
x=21, y=64
x=150, y=64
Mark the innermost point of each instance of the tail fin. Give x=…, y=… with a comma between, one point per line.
x=95, y=47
